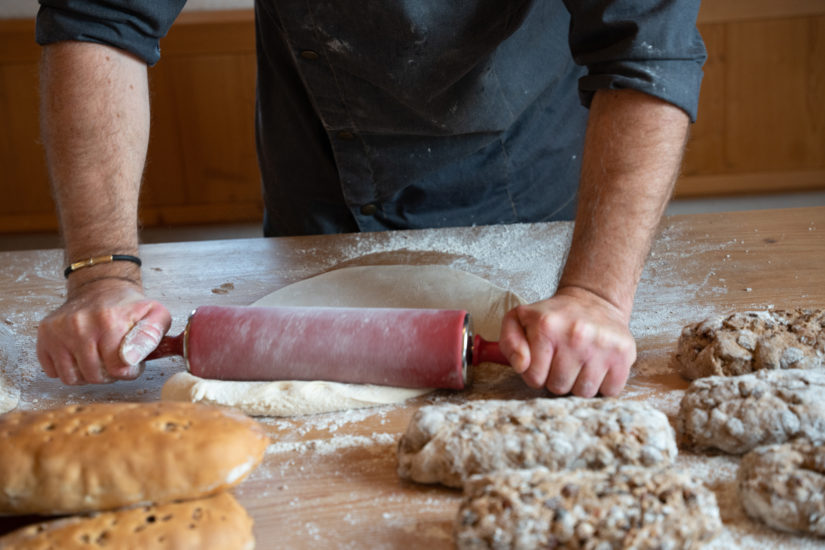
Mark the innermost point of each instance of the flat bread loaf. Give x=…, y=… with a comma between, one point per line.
x=85, y=458
x=212, y=523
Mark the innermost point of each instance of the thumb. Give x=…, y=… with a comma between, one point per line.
x=513, y=343
x=144, y=336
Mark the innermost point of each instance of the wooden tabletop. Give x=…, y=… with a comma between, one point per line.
x=329, y=480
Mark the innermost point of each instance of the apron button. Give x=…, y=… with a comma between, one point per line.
x=369, y=209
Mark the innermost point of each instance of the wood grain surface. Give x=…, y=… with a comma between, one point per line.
x=329, y=480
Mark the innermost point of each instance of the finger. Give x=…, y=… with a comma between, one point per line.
x=89, y=363
x=43, y=356
x=542, y=335
x=47, y=365
x=590, y=378
x=513, y=342
x=621, y=360
x=581, y=348
x=143, y=337
x=113, y=366
x=141, y=340
x=67, y=369
x=615, y=379
x=542, y=354
x=563, y=373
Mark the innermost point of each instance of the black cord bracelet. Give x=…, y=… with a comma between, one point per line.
x=101, y=260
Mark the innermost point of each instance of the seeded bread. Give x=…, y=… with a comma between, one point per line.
x=448, y=443
x=736, y=414
x=632, y=507
x=212, y=523
x=85, y=458
x=783, y=486
x=745, y=342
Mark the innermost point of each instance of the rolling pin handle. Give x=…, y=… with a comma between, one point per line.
x=485, y=351
x=168, y=346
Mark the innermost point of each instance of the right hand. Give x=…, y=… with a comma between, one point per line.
x=101, y=334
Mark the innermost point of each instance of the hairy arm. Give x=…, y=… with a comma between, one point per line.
x=579, y=339
x=95, y=130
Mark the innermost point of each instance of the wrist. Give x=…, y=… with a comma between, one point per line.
x=595, y=297
x=112, y=273
x=105, y=259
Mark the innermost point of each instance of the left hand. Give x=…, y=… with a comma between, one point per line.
x=573, y=342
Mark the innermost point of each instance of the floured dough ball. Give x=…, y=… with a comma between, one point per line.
x=629, y=508
x=214, y=523
x=783, y=486
x=84, y=458
x=746, y=342
x=737, y=414
x=448, y=443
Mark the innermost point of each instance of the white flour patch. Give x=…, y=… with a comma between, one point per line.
x=323, y=447
x=666, y=301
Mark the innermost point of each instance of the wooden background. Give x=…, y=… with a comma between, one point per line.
x=761, y=122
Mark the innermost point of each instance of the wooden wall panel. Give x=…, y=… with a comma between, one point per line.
x=761, y=124
x=26, y=203
x=761, y=120
x=201, y=163
x=202, y=153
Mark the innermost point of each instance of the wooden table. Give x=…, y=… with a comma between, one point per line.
x=329, y=480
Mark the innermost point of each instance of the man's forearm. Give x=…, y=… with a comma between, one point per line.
x=632, y=155
x=95, y=129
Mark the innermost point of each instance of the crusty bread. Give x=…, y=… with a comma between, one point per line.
x=216, y=522
x=85, y=458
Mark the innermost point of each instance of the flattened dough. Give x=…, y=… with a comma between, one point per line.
x=428, y=286
x=631, y=507
x=739, y=413
x=741, y=343
x=448, y=443
x=783, y=486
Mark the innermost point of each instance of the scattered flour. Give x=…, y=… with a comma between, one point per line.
x=323, y=447
x=305, y=446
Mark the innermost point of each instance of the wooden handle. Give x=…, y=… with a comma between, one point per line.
x=485, y=351
x=169, y=346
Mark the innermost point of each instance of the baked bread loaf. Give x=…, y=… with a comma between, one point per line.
x=212, y=523
x=448, y=443
x=85, y=458
x=629, y=508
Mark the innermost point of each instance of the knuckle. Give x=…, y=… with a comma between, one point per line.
x=546, y=325
x=558, y=387
x=532, y=379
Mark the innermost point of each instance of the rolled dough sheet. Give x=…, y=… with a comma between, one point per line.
x=426, y=286
x=9, y=391
x=9, y=395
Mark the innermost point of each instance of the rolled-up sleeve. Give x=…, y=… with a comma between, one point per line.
x=651, y=46
x=132, y=25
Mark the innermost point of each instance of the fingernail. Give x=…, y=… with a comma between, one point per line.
x=519, y=362
x=139, y=342
x=128, y=373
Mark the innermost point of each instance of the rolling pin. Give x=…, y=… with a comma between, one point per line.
x=412, y=348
